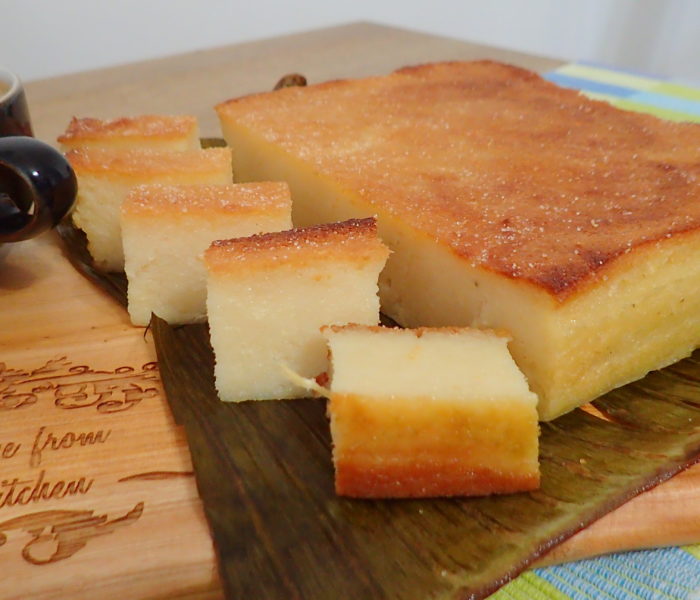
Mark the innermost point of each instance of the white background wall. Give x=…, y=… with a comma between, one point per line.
x=42, y=38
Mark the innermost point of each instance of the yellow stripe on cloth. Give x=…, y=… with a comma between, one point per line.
x=635, y=82
x=529, y=586
x=694, y=550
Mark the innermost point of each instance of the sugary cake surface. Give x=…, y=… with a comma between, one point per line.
x=180, y=132
x=136, y=164
x=174, y=201
x=167, y=228
x=269, y=295
x=354, y=240
x=429, y=412
x=507, y=203
x=511, y=172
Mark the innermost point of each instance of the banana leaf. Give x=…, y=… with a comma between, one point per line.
x=265, y=476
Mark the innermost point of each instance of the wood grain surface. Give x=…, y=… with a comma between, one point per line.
x=96, y=486
x=96, y=493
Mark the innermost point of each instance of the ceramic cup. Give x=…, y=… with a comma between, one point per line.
x=37, y=185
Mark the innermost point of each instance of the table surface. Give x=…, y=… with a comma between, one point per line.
x=55, y=321
x=193, y=83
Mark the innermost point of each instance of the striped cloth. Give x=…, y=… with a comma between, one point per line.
x=631, y=91
x=666, y=573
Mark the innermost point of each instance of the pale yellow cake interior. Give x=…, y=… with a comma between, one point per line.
x=266, y=307
x=466, y=364
x=166, y=230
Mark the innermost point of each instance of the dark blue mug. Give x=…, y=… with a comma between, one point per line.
x=37, y=185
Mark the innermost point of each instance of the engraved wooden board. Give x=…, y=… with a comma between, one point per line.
x=96, y=491
x=105, y=506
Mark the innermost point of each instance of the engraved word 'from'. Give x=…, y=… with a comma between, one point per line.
x=46, y=440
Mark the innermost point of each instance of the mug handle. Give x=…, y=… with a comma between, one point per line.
x=37, y=187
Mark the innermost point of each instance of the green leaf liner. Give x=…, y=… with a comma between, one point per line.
x=265, y=475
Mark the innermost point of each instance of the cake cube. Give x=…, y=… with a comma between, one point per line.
x=268, y=296
x=167, y=228
x=147, y=132
x=429, y=412
x=508, y=202
x=106, y=176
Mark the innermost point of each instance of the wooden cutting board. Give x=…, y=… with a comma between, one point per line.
x=96, y=486
x=97, y=497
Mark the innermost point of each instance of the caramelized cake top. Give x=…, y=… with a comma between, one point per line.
x=144, y=126
x=354, y=241
x=159, y=200
x=140, y=163
x=513, y=173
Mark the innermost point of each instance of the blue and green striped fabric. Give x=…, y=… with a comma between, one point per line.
x=665, y=573
x=631, y=91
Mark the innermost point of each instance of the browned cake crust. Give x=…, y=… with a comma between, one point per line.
x=144, y=126
x=163, y=201
x=458, y=463
x=355, y=240
x=136, y=164
x=514, y=174
x=414, y=479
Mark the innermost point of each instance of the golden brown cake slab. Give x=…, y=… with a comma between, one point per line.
x=508, y=202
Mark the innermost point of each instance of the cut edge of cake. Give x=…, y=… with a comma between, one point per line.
x=166, y=230
x=269, y=294
x=106, y=176
x=407, y=421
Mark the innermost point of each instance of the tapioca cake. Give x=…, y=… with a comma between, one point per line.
x=268, y=296
x=106, y=176
x=508, y=203
x=429, y=412
x=167, y=228
x=147, y=132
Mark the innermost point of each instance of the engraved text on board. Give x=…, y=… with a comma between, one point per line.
x=58, y=385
